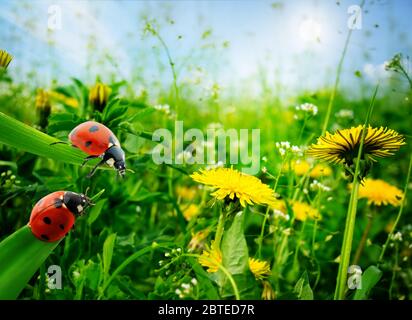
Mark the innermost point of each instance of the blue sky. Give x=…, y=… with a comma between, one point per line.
x=295, y=43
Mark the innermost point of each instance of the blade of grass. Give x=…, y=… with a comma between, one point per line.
x=21, y=255
x=23, y=137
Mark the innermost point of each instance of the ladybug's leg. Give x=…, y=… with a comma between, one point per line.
x=95, y=168
x=89, y=158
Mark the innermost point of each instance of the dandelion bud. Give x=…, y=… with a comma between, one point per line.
x=98, y=96
x=43, y=108
x=5, y=59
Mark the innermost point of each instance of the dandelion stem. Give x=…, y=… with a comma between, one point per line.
x=405, y=190
x=351, y=215
x=220, y=228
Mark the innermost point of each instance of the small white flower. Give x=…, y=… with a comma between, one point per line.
x=316, y=185
x=264, y=159
x=264, y=170
x=309, y=108
x=178, y=292
x=167, y=254
x=397, y=237
x=185, y=286
x=179, y=250
x=194, y=281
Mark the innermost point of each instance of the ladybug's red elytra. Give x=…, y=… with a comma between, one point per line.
x=98, y=141
x=53, y=216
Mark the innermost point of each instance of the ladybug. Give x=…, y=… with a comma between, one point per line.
x=98, y=141
x=53, y=216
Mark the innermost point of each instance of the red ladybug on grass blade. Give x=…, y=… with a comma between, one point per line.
x=98, y=141
x=53, y=216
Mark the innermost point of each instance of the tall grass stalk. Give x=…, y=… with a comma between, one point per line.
x=351, y=215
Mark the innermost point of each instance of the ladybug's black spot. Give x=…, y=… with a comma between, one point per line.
x=112, y=140
x=93, y=129
x=88, y=143
x=43, y=236
x=47, y=220
x=61, y=226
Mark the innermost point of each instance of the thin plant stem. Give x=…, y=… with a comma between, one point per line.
x=351, y=214
x=364, y=237
x=262, y=230
x=398, y=217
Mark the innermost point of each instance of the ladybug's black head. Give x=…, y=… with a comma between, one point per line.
x=114, y=157
x=76, y=202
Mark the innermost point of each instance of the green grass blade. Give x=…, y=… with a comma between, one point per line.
x=21, y=255
x=21, y=136
x=370, y=278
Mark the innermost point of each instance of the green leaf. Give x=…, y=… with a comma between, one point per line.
x=370, y=278
x=21, y=255
x=21, y=136
x=95, y=211
x=108, y=247
x=303, y=289
x=234, y=247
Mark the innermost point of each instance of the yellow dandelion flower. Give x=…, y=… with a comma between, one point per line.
x=186, y=193
x=211, y=258
x=301, y=167
x=190, y=211
x=379, y=192
x=231, y=184
x=343, y=146
x=198, y=239
x=99, y=95
x=5, y=59
x=268, y=293
x=303, y=210
x=259, y=268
